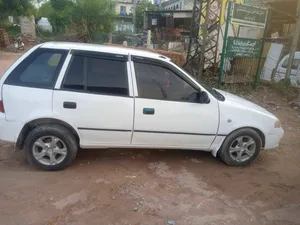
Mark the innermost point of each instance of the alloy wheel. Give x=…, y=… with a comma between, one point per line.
x=49, y=150
x=242, y=148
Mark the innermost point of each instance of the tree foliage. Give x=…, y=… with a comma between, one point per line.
x=15, y=8
x=87, y=17
x=143, y=5
x=58, y=12
x=60, y=5
x=93, y=16
x=60, y=15
x=45, y=10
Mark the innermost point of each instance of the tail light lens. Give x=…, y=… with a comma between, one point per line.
x=1, y=107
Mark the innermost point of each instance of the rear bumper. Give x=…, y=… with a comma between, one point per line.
x=272, y=140
x=9, y=130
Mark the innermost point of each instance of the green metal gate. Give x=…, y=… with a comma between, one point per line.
x=241, y=58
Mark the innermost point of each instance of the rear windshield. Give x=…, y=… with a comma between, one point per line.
x=40, y=69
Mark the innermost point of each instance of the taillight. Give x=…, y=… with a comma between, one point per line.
x=1, y=107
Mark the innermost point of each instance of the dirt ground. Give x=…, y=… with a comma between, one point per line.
x=6, y=59
x=156, y=187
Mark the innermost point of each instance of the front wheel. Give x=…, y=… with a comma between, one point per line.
x=241, y=147
x=50, y=147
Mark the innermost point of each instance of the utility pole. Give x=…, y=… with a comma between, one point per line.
x=134, y=16
x=294, y=45
x=204, y=37
x=134, y=22
x=204, y=40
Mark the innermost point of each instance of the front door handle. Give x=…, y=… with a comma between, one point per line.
x=148, y=111
x=70, y=105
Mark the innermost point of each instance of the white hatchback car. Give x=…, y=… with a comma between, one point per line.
x=61, y=96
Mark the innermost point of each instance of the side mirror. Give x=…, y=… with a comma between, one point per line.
x=199, y=97
x=203, y=97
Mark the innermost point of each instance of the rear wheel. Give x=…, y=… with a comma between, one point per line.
x=50, y=147
x=241, y=147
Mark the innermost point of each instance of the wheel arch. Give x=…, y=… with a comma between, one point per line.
x=42, y=121
x=261, y=134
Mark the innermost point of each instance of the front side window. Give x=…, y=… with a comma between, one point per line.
x=157, y=82
x=40, y=69
x=97, y=75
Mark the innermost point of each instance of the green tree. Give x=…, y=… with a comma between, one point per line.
x=15, y=8
x=142, y=6
x=45, y=10
x=60, y=4
x=91, y=17
x=60, y=14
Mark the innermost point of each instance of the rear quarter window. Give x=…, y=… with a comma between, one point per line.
x=40, y=69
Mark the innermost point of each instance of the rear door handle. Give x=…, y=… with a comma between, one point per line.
x=148, y=111
x=70, y=105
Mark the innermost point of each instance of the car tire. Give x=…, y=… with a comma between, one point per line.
x=50, y=147
x=241, y=147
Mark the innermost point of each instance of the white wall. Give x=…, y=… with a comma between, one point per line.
x=188, y=4
x=124, y=27
x=27, y=26
x=45, y=25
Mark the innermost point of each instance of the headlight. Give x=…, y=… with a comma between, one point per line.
x=277, y=124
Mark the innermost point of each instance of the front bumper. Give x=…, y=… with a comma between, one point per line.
x=9, y=130
x=272, y=140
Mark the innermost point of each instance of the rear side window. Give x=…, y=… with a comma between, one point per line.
x=106, y=76
x=97, y=75
x=74, y=79
x=40, y=69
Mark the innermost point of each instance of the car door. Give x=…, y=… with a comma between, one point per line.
x=295, y=79
x=165, y=116
x=298, y=75
x=95, y=97
x=27, y=92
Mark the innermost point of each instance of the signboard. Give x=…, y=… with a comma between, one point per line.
x=249, y=15
x=243, y=47
x=154, y=21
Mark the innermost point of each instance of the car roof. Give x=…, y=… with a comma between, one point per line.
x=103, y=48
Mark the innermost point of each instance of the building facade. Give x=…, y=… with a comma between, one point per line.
x=124, y=15
x=177, y=5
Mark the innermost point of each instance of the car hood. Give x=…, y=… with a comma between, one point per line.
x=237, y=101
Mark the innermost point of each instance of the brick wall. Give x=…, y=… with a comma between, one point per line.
x=4, y=40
